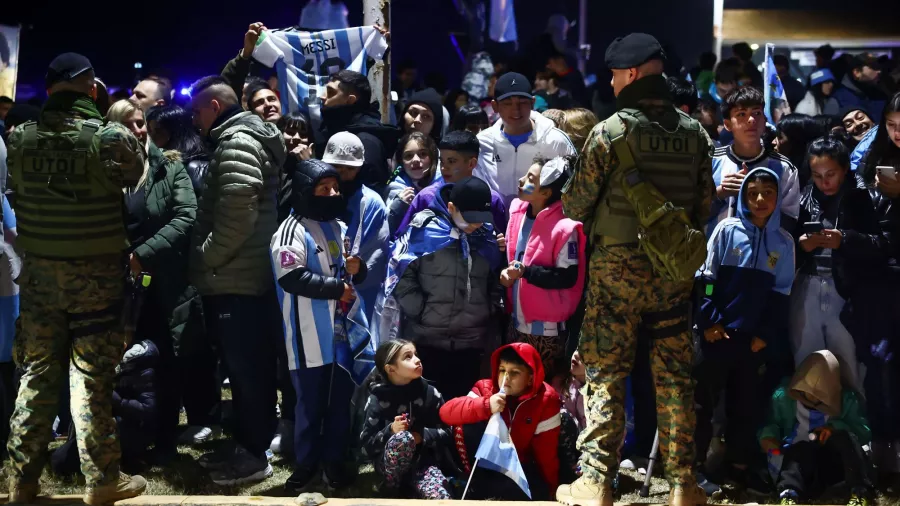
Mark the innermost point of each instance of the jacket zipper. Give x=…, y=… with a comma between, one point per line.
x=513, y=417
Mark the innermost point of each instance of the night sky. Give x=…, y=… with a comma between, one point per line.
x=191, y=38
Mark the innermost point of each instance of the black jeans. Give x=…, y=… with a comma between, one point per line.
x=453, y=372
x=8, y=392
x=732, y=366
x=247, y=330
x=809, y=467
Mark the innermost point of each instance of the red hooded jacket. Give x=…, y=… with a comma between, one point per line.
x=533, y=421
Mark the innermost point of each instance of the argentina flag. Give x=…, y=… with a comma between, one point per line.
x=773, y=90
x=304, y=60
x=497, y=453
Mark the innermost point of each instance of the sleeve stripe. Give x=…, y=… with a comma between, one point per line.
x=548, y=424
x=473, y=395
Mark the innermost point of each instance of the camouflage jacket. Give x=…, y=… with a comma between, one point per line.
x=121, y=154
x=587, y=186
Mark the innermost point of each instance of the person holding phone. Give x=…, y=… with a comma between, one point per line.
x=839, y=247
x=874, y=320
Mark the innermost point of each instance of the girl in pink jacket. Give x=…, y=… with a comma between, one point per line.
x=545, y=277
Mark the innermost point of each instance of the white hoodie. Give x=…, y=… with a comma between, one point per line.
x=501, y=165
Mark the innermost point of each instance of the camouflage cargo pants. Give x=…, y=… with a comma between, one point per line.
x=70, y=324
x=623, y=294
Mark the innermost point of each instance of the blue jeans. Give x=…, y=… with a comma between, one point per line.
x=816, y=325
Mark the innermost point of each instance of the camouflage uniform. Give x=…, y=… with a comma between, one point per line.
x=623, y=293
x=71, y=312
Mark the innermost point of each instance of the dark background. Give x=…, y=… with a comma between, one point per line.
x=193, y=38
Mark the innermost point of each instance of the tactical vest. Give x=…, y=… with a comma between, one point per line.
x=669, y=160
x=67, y=206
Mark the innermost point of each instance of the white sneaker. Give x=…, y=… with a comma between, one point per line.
x=195, y=434
x=284, y=437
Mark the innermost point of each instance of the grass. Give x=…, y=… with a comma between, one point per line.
x=185, y=477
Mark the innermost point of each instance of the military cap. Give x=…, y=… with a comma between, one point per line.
x=633, y=50
x=66, y=67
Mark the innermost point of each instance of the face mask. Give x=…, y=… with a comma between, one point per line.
x=460, y=222
x=324, y=208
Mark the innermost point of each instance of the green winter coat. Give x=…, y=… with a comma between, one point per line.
x=783, y=416
x=168, y=217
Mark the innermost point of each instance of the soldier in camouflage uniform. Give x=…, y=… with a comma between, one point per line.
x=68, y=171
x=624, y=292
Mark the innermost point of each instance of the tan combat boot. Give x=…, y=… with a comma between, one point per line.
x=125, y=487
x=585, y=493
x=22, y=493
x=687, y=496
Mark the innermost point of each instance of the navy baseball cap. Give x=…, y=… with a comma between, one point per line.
x=512, y=84
x=472, y=197
x=66, y=67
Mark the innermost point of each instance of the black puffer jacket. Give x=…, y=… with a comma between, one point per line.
x=422, y=403
x=864, y=251
x=871, y=312
x=134, y=397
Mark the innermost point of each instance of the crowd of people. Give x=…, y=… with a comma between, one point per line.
x=498, y=251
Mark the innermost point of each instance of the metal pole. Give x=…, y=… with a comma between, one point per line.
x=582, y=36
x=718, y=14
x=379, y=12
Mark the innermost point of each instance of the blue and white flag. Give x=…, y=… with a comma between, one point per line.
x=773, y=90
x=498, y=453
x=304, y=60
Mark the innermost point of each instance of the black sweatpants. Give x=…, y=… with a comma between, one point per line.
x=247, y=330
x=729, y=364
x=810, y=467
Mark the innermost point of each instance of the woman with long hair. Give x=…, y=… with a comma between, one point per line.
x=170, y=128
x=873, y=321
x=160, y=213
x=792, y=135
x=819, y=99
x=417, y=165
x=577, y=124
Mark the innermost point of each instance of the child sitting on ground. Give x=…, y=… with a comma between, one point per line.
x=403, y=433
x=823, y=429
x=531, y=409
x=545, y=277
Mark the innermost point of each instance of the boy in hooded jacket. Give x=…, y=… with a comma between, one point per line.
x=745, y=280
x=529, y=406
x=325, y=334
x=818, y=426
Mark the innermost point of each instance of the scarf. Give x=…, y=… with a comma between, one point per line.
x=72, y=101
x=645, y=88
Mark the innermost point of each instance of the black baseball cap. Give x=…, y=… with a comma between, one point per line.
x=472, y=197
x=633, y=50
x=66, y=67
x=512, y=84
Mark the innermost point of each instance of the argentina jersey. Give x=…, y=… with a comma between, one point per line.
x=725, y=162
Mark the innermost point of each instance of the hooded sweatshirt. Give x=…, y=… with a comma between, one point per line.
x=748, y=272
x=819, y=376
x=533, y=418
x=236, y=215
x=432, y=100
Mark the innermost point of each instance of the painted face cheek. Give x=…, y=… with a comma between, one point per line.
x=528, y=188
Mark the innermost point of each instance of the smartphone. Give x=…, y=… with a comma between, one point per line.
x=813, y=227
x=887, y=172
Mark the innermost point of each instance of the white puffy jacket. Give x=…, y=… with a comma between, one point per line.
x=501, y=165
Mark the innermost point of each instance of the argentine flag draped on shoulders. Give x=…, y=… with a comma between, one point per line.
x=319, y=332
x=304, y=60
x=429, y=232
